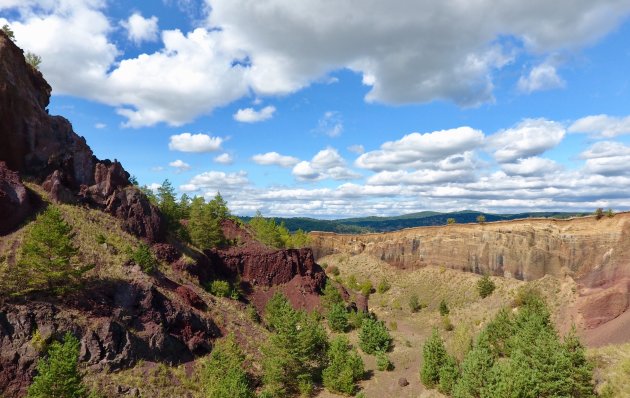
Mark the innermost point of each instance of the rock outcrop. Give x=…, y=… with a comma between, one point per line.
x=15, y=201
x=117, y=322
x=45, y=149
x=596, y=253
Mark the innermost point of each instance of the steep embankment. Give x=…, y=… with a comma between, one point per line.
x=596, y=253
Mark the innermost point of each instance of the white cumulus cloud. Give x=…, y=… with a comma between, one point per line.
x=274, y=158
x=541, y=77
x=326, y=163
x=603, y=126
x=415, y=150
x=141, y=29
x=224, y=158
x=180, y=165
x=529, y=138
x=187, y=142
x=249, y=115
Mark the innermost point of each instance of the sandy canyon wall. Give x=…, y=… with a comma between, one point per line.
x=596, y=253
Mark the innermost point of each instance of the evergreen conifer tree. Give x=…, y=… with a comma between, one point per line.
x=48, y=256
x=434, y=356
x=58, y=374
x=345, y=367
x=223, y=375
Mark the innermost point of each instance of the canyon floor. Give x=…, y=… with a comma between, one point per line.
x=468, y=314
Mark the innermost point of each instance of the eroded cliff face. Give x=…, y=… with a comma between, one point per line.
x=596, y=253
x=46, y=150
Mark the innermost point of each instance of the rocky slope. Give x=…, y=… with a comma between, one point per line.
x=121, y=315
x=596, y=253
x=44, y=149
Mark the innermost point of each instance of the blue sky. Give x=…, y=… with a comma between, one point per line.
x=322, y=108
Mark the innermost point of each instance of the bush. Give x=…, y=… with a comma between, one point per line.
x=58, y=374
x=352, y=282
x=450, y=221
x=333, y=269
x=382, y=362
x=100, y=239
x=143, y=257
x=599, y=213
x=374, y=336
x=383, y=286
x=33, y=60
x=366, y=287
x=220, y=288
x=610, y=213
x=481, y=219
x=485, y=286
x=444, y=308
x=331, y=296
x=355, y=319
x=338, y=318
x=8, y=31
x=447, y=324
x=345, y=367
x=414, y=303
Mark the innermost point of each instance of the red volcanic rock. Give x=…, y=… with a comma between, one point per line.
x=603, y=306
x=139, y=216
x=165, y=252
x=46, y=149
x=190, y=297
x=15, y=203
x=120, y=323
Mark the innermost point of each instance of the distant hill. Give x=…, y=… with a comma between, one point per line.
x=421, y=219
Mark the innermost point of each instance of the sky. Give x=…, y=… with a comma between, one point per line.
x=341, y=108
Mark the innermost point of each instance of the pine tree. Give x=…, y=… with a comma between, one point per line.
x=223, y=375
x=449, y=373
x=266, y=231
x=167, y=204
x=433, y=358
x=58, y=375
x=331, y=296
x=203, y=228
x=8, y=31
x=485, y=286
x=296, y=350
x=338, y=318
x=581, y=369
x=475, y=369
x=374, y=336
x=218, y=207
x=345, y=367
x=48, y=255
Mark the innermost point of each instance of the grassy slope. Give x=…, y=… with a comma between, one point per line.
x=152, y=379
x=468, y=313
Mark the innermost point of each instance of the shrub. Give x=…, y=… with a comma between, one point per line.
x=333, y=269
x=324, y=266
x=58, y=374
x=220, y=288
x=382, y=362
x=352, y=282
x=345, y=367
x=374, y=336
x=100, y=239
x=447, y=324
x=450, y=221
x=485, y=286
x=8, y=31
x=366, y=287
x=610, y=213
x=252, y=313
x=383, y=286
x=599, y=213
x=444, y=308
x=355, y=319
x=32, y=59
x=481, y=219
x=331, y=296
x=414, y=303
x=143, y=257
x=338, y=318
